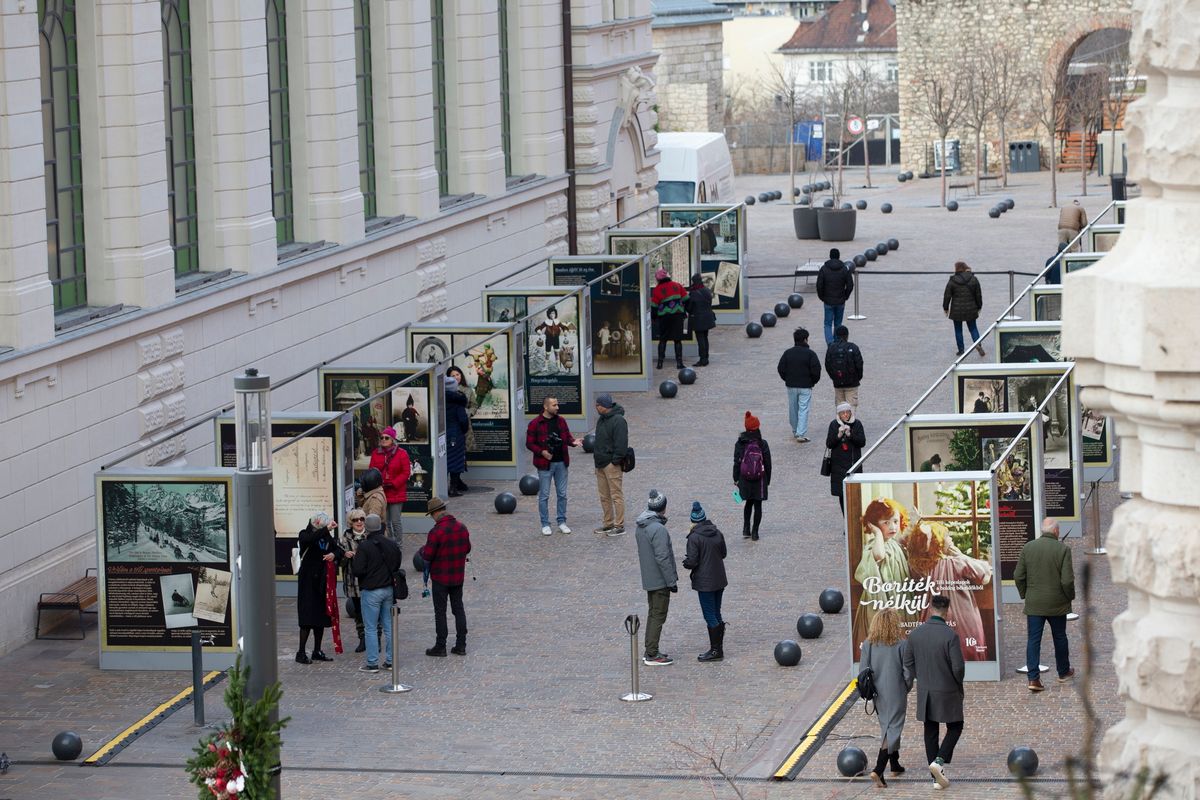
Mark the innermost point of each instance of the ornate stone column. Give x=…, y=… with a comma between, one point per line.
x=1132, y=323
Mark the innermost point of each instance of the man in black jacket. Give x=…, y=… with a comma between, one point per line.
x=608, y=452
x=835, y=284
x=800, y=370
x=844, y=365
x=375, y=564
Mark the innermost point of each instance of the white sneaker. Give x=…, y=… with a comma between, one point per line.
x=938, y=771
x=562, y=528
x=546, y=530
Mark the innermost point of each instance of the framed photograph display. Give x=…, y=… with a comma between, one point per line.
x=484, y=353
x=1045, y=303
x=557, y=346
x=1041, y=342
x=722, y=252
x=411, y=409
x=166, y=546
x=1018, y=388
x=911, y=535
x=1102, y=238
x=307, y=476
x=969, y=442
x=616, y=316
x=1073, y=262
x=679, y=257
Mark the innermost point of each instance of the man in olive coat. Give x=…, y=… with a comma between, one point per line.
x=935, y=658
x=1045, y=579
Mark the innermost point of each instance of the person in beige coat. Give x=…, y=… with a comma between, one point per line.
x=374, y=500
x=1071, y=220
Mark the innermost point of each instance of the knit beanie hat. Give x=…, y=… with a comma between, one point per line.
x=752, y=422
x=698, y=511
x=844, y=407
x=657, y=501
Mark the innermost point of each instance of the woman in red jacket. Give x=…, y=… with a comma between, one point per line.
x=392, y=461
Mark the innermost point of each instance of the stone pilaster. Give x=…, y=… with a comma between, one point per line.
x=26, y=299
x=129, y=255
x=539, y=144
x=329, y=203
x=233, y=139
x=402, y=51
x=1133, y=332
x=473, y=117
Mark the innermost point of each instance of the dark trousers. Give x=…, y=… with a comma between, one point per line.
x=753, y=508
x=662, y=350
x=1033, y=648
x=702, y=344
x=945, y=750
x=659, y=602
x=440, y=592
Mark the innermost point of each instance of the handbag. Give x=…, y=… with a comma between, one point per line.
x=297, y=557
x=400, y=585
x=827, y=463
x=629, y=461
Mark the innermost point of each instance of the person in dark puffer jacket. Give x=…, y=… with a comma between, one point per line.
x=706, y=559
x=835, y=284
x=962, y=301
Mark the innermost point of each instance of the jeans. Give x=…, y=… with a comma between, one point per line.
x=958, y=336
x=1033, y=648
x=659, y=601
x=798, y=402
x=376, y=608
x=833, y=318
x=945, y=750
x=557, y=473
x=440, y=593
x=710, y=606
x=395, y=512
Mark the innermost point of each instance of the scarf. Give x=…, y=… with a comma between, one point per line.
x=331, y=604
x=844, y=427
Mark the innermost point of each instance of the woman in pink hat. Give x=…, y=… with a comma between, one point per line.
x=392, y=462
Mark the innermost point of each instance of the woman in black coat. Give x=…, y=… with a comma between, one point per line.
x=962, y=301
x=701, y=318
x=458, y=423
x=845, y=440
x=706, y=559
x=318, y=545
x=752, y=490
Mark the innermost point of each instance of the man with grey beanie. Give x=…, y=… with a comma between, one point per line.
x=659, y=578
x=612, y=443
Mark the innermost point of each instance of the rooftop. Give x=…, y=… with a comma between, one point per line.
x=678, y=13
x=851, y=25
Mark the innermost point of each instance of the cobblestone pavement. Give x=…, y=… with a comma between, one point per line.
x=532, y=711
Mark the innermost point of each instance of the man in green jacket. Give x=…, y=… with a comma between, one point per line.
x=1045, y=580
x=612, y=442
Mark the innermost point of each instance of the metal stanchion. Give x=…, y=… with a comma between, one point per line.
x=857, y=286
x=1012, y=296
x=1094, y=516
x=197, y=680
x=632, y=623
x=395, y=687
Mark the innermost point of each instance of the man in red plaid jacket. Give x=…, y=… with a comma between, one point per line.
x=445, y=552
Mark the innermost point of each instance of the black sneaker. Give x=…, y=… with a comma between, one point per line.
x=302, y=658
x=319, y=656
x=387, y=665
x=437, y=652
x=369, y=668
x=459, y=649
x=660, y=660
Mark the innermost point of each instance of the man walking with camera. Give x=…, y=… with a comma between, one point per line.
x=375, y=563
x=548, y=438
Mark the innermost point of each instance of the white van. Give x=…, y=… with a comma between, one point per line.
x=694, y=168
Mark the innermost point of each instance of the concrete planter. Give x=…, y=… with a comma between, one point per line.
x=836, y=224
x=804, y=220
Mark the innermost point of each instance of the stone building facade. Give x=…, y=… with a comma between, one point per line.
x=335, y=169
x=688, y=36
x=939, y=37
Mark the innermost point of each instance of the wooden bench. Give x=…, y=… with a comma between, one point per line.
x=79, y=596
x=808, y=271
x=968, y=185
x=993, y=179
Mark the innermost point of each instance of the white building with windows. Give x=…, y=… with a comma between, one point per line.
x=190, y=187
x=849, y=33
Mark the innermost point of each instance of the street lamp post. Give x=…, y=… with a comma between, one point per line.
x=256, y=537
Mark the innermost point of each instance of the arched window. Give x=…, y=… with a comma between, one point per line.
x=63, y=153
x=441, y=160
x=366, y=115
x=281, y=129
x=181, y=133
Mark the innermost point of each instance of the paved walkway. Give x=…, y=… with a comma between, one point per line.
x=533, y=710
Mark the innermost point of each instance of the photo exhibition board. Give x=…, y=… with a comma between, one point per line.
x=678, y=257
x=1103, y=238
x=969, y=443
x=1073, y=262
x=899, y=560
x=1041, y=342
x=1045, y=303
x=167, y=545
x=411, y=409
x=558, y=351
x=722, y=253
x=306, y=476
x=1009, y=388
x=493, y=378
x=616, y=316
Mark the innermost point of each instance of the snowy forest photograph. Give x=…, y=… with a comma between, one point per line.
x=166, y=522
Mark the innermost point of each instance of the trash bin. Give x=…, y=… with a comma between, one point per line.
x=1024, y=156
x=1118, y=193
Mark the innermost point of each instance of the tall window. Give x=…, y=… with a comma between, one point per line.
x=366, y=114
x=820, y=71
x=440, y=154
x=505, y=99
x=181, y=134
x=893, y=71
x=281, y=128
x=63, y=153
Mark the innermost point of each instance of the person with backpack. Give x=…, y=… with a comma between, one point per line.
x=700, y=316
x=844, y=364
x=706, y=559
x=752, y=474
x=668, y=304
x=835, y=284
x=885, y=653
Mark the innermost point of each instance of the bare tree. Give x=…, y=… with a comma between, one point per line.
x=1122, y=82
x=942, y=100
x=782, y=84
x=1049, y=105
x=1007, y=81
x=1085, y=107
x=869, y=94
x=839, y=94
x=978, y=105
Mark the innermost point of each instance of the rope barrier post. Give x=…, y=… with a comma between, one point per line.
x=395, y=687
x=1094, y=518
x=197, y=679
x=632, y=623
x=857, y=286
x=1012, y=298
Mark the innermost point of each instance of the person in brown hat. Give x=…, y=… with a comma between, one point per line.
x=445, y=552
x=752, y=474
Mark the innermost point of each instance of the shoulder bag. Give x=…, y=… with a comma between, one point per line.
x=297, y=557
x=827, y=463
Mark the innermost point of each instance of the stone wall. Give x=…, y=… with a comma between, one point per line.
x=689, y=71
x=931, y=35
